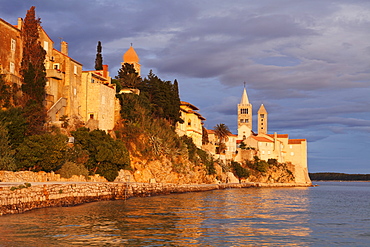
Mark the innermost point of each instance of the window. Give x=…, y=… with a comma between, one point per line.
x=246, y=120
x=13, y=45
x=75, y=70
x=242, y=120
x=92, y=81
x=12, y=68
x=189, y=123
x=56, y=66
x=262, y=115
x=46, y=46
x=91, y=116
x=75, y=91
x=243, y=111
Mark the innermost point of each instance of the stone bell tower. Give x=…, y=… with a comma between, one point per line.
x=131, y=57
x=244, y=117
x=262, y=120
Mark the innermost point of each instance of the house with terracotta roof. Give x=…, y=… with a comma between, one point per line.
x=192, y=125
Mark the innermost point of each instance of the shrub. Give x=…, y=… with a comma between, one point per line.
x=69, y=169
x=239, y=171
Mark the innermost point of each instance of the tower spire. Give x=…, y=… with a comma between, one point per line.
x=244, y=116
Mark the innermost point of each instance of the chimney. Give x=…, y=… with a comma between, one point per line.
x=20, y=22
x=105, y=70
x=64, y=48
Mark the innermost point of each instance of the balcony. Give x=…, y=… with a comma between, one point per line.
x=54, y=73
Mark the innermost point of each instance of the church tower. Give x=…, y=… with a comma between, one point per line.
x=132, y=58
x=244, y=117
x=262, y=120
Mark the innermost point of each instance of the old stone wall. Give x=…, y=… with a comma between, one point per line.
x=20, y=198
x=28, y=176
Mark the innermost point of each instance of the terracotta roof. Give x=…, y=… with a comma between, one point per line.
x=261, y=139
x=239, y=141
x=131, y=56
x=279, y=135
x=296, y=141
x=210, y=131
x=232, y=135
x=193, y=107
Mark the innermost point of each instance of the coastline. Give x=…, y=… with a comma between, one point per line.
x=16, y=197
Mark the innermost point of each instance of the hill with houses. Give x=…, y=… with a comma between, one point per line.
x=126, y=127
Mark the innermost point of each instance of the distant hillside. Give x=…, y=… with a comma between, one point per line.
x=339, y=176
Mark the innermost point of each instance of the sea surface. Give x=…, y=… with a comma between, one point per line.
x=332, y=214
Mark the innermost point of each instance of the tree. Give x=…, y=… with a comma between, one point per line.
x=164, y=97
x=128, y=77
x=33, y=72
x=6, y=153
x=222, y=133
x=99, y=58
x=15, y=122
x=45, y=152
x=106, y=155
x=239, y=171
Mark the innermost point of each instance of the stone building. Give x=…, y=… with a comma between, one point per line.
x=193, y=123
x=10, y=52
x=269, y=146
x=70, y=92
x=97, y=102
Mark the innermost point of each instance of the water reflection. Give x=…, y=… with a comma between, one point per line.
x=236, y=217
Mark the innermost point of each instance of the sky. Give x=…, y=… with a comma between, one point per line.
x=307, y=61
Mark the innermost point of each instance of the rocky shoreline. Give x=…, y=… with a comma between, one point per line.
x=21, y=197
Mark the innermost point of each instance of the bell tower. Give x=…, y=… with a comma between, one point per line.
x=244, y=117
x=131, y=57
x=262, y=120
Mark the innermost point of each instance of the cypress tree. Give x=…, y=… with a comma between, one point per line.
x=33, y=73
x=32, y=66
x=99, y=57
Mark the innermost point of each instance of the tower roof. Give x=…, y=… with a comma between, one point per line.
x=130, y=56
x=244, y=100
x=262, y=109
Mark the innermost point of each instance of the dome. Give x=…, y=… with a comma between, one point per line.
x=130, y=56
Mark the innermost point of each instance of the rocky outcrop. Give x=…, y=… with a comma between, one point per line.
x=165, y=171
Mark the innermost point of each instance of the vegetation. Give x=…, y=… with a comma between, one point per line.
x=339, y=176
x=239, y=171
x=69, y=169
x=21, y=186
x=106, y=156
x=46, y=152
x=99, y=58
x=222, y=133
x=7, y=161
x=34, y=74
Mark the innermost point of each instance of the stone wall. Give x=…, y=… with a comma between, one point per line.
x=19, y=198
x=28, y=176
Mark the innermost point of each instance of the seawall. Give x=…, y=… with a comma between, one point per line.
x=17, y=198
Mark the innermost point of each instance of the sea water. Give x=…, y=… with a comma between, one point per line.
x=332, y=214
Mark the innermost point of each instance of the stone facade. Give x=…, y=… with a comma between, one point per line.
x=193, y=123
x=10, y=52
